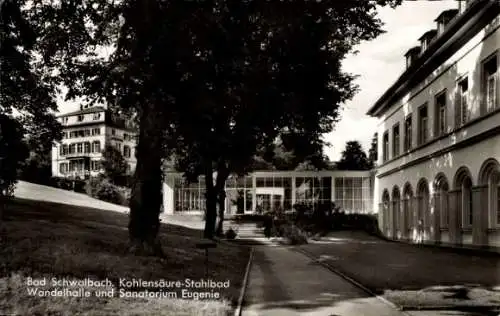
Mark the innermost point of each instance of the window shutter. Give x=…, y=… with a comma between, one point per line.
x=482, y=95
x=497, y=90
x=436, y=119
x=458, y=108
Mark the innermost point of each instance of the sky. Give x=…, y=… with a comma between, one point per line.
x=378, y=64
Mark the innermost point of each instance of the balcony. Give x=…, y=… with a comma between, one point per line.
x=76, y=155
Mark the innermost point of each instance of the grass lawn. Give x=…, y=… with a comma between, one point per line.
x=48, y=240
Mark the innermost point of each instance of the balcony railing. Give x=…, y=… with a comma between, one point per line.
x=76, y=155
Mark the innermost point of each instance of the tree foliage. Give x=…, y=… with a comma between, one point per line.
x=13, y=151
x=212, y=82
x=27, y=94
x=373, y=152
x=114, y=164
x=353, y=158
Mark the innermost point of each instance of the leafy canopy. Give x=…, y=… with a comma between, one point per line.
x=353, y=158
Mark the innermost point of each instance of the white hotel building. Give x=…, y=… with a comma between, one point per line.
x=439, y=134
x=86, y=133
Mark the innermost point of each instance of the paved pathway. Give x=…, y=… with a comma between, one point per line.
x=285, y=282
x=402, y=266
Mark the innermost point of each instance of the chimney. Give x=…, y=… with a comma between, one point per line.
x=412, y=55
x=463, y=5
x=444, y=18
x=426, y=39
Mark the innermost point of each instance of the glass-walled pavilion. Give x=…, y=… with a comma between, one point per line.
x=263, y=191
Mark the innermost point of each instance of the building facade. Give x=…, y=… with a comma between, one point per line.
x=439, y=134
x=263, y=191
x=85, y=135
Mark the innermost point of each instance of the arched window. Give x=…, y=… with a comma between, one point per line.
x=407, y=209
x=396, y=210
x=463, y=183
x=467, y=198
x=441, y=188
x=385, y=211
x=489, y=175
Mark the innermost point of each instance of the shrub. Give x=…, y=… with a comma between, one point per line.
x=102, y=189
x=294, y=235
x=230, y=234
x=68, y=184
x=109, y=192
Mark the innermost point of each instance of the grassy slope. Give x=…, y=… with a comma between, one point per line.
x=41, y=239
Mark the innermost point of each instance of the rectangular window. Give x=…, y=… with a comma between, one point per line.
x=63, y=167
x=79, y=148
x=113, y=132
x=422, y=124
x=440, y=104
x=80, y=118
x=81, y=133
x=408, y=133
x=95, y=165
x=72, y=148
x=87, y=132
x=96, y=147
x=462, y=102
x=490, y=83
x=126, y=151
x=86, y=147
x=395, y=140
x=386, y=146
x=96, y=116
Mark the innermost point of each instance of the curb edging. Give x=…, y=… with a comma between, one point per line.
x=352, y=281
x=238, y=310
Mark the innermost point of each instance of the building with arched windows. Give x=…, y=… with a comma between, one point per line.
x=438, y=171
x=86, y=133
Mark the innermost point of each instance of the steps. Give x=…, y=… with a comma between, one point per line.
x=245, y=230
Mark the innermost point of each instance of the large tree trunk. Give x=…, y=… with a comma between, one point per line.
x=146, y=199
x=211, y=205
x=222, y=209
x=222, y=175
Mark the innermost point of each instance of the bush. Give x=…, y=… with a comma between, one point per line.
x=294, y=235
x=102, y=189
x=109, y=192
x=68, y=184
x=230, y=234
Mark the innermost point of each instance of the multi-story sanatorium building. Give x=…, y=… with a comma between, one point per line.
x=439, y=134
x=86, y=133
x=272, y=190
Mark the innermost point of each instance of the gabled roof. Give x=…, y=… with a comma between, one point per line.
x=415, y=49
x=93, y=109
x=448, y=14
x=428, y=34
